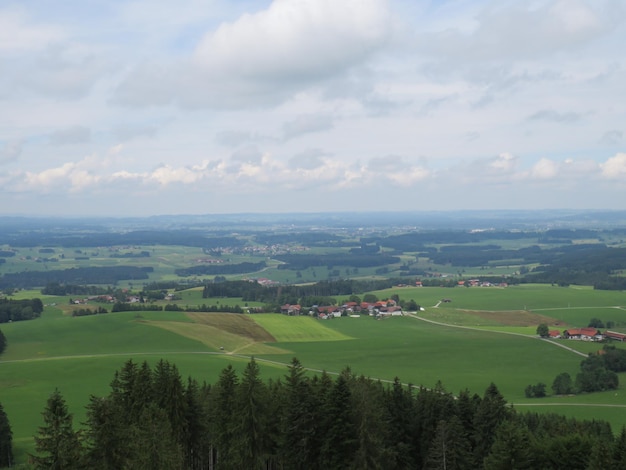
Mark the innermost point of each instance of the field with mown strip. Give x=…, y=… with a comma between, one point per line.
x=298, y=329
x=521, y=297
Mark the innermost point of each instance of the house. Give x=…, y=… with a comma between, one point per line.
x=583, y=334
x=291, y=310
x=615, y=335
x=554, y=334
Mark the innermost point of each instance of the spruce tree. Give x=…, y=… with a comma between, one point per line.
x=339, y=432
x=222, y=409
x=107, y=434
x=6, y=440
x=511, y=448
x=57, y=444
x=3, y=342
x=250, y=438
x=300, y=443
x=450, y=449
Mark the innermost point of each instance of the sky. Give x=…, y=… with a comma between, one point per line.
x=151, y=107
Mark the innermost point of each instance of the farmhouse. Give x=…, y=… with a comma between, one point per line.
x=288, y=309
x=584, y=334
x=555, y=334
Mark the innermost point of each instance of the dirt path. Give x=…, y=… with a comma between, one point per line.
x=413, y=315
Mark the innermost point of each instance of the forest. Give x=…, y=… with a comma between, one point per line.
x=152, y=418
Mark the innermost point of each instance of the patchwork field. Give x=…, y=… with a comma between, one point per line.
x=462, y=345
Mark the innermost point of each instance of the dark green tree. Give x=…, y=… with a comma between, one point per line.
x=450, y=449
x=57, y=444
x=3, y=342
x=251, y=441
x=222, y=412
x=511, y=448
x=562, y=384
x=6, y=440
x=619, y=449
x=543, y=331
x=339, y=441
x=153, y=444
x=300, y=437
x=491, y=412
x=107, y=435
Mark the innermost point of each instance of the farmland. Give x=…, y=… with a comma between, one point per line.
x=480, y=334
x=79, y=354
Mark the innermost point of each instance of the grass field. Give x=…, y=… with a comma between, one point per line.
x=489, y=337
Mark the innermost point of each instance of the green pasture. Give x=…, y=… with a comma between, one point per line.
x=298, y=329
x=80, y=354
x=520, y=297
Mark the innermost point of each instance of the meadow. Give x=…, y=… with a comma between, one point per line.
x=483, y=335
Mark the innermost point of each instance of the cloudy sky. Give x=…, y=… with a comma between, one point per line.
x=141, y=107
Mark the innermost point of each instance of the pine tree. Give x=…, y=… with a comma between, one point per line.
x=450, y=449
x=153, y=444
x=6, y=440
x=222, y=417
x=300, y=437
x=107, y=434
x=511, y=448
x=3, y=342
x=338, y=430
x=402, y=435
x=619, y=449
x=250, y=438
x=57, y=445
x=490, y=413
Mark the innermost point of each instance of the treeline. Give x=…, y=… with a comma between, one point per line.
x=302, y=262
x=214, y=269
x=85, y=312
x=595, y=265
x=144, y=307
x=153, y=419
x=192, y=238
x=81, y=276
x=322, y=239
x=17, y=310
x=292, y=294
x=56, y=288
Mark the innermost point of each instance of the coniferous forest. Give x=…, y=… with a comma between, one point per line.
x=153, y=419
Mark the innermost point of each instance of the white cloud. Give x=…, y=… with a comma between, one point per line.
x=614, y=167
x=18, y=34
x=544, y=169
x=305, y=124
x=10, y=151
x=70, y=135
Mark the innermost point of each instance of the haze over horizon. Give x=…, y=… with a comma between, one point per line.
x=212, y=106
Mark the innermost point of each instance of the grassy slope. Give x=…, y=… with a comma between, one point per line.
x=418, y=352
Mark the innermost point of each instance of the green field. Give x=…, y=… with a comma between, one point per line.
x=488, y=336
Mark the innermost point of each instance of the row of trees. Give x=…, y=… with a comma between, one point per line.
x=151, y=419
x=598, y=372
x=17, y=310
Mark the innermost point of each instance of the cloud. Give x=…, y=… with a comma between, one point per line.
x=306, y=124
x=263, y=58
x=544, y=169
x=250, y=154
x=18, y=34
x=523, y=30
x=614, y=167
x=308, y=160
x=10, y=151
x=555, y=116
x=612, y=137
x=71, y=135
x=130, y=132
